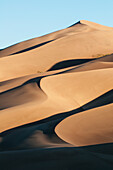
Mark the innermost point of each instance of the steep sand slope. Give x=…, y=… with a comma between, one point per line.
x=88, y=128
x=56, y=100
x=88, y=42
x=63, y=92
x=40, y=41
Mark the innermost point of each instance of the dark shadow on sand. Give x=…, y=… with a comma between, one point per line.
x=31, y=48
x=14, y=137
x=69, y=63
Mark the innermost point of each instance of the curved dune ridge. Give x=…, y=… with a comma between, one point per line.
x=56, y=100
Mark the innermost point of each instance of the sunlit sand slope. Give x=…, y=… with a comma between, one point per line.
x=56, y=100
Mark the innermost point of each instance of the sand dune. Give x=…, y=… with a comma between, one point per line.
x=82, y=43
x=88, y=128
x=56, y=100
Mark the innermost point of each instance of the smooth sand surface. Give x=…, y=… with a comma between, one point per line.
x=88, y=128
x=56, y=100
x=82, y=43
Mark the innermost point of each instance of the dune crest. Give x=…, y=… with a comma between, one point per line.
x=95, y=25
x=56, y=100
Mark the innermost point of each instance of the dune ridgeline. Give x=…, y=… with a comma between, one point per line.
x=56, y=100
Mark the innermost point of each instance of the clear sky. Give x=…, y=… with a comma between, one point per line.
x=24, y=19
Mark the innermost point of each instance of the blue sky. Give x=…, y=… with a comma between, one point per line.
x=25, y=19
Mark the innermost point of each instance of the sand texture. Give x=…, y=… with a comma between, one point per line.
x=56, y=101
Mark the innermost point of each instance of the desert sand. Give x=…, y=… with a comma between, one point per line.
x=56, y=100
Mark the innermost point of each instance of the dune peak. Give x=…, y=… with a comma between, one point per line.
x=92, y=24
x=56, y=100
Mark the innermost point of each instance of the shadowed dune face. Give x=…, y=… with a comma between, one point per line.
x=88, y=128
x=56, y=100
x=33, y=47
x=26, y=93
x=69, y=63
x=81, y=41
